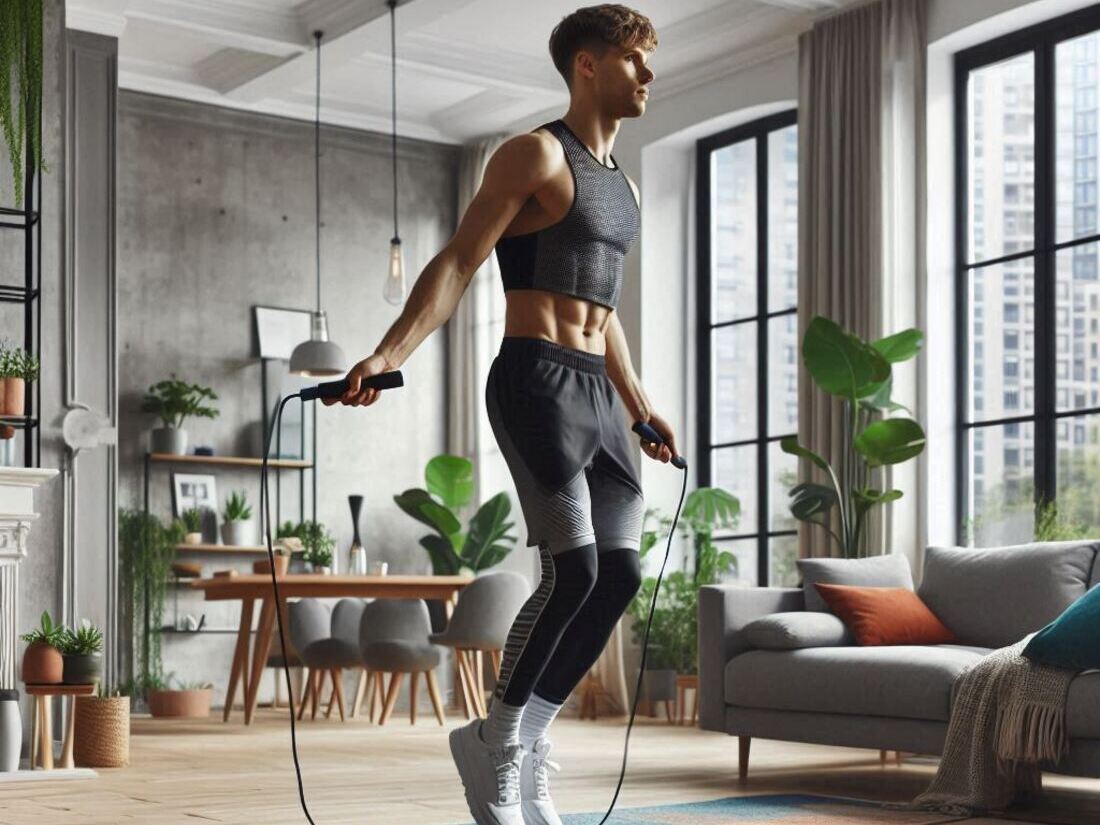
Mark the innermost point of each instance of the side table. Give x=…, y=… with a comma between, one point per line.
x=42, y=738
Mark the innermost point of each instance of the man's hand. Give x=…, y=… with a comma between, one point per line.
x=354, y=396
x=663, y=452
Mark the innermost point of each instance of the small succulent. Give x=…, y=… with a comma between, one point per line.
x=47, y=633
x=87, y=639
x=237, y=508
x=193, y=685
x=192, y=519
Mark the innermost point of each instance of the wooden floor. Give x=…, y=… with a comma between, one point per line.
x=355, y=772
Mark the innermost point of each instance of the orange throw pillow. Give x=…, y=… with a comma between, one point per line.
x=885, y=615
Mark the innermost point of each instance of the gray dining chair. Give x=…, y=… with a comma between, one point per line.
x=322, y=650
x=486, y=608
x=393, y=638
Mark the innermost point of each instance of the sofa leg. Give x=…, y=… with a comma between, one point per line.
x=743, y=743
x=882, y=757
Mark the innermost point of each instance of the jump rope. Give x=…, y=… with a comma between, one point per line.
x=389, y=380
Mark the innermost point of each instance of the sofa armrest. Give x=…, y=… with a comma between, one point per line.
x=723, y=610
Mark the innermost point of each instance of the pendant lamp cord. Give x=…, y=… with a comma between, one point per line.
x=317, y=168
x=393, y=84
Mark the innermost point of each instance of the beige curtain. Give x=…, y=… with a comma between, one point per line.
x=861, y=220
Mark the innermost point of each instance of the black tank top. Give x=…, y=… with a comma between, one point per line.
x=582, y=254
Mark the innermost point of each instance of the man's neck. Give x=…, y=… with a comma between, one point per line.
x=595, y=129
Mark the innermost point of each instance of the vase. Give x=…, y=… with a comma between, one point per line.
x=101, y=732
x=282, y=564
x=82, y=668
x=170, y=440
x=11, y=731
x=192, y=538
x=42, y=665
x=357, y=554
x=240, y=533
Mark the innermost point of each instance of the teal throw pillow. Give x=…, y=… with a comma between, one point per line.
x=1072, y=640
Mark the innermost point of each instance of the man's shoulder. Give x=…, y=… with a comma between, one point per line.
x=531, y=155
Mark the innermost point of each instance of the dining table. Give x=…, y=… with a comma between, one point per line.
x=247, y=666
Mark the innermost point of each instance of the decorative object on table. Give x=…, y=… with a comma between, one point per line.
x=238, y=528
x=207, y=451
x=17, y=368
x=394, y=290
x=102, y=730
x=859, y=373
x=42, y=660
x=82, y=654
x=11, y=730
x=192, y=522
x=197, y=491
x=190, y=700
x=173, y=401
x=357, y=554
x=282, y=564
x=379, y=568
x=317, y=544
x=318, y=357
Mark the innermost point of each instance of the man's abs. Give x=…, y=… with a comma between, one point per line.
x=552, y=316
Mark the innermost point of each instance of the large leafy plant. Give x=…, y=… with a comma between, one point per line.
x=21, y=86
x=674, y=633
x=860, y=375
x=174, y=400
x=450, y=486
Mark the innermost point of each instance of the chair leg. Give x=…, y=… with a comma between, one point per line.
x=474, y=669
x=377, y=700
x=467, y=697
x=307, y=693
x=743, y=743
x=495, y=655
x=882, y=757
x=433, y=691
x=318, y=686
x=360, y=690
x=332, y=674
x=391, y=695
x=413, y=683
x=338, y=692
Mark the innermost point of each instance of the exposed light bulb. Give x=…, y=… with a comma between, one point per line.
x=395, y=281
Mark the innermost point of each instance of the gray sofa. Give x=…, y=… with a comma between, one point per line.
x=775, y=664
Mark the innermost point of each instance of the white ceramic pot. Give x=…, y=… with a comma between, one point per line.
x=170, y=440
x=11, y=731
x=240, y=533
x=192, y=538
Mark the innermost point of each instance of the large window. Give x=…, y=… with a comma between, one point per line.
x=1028, y=290
x=748, y=348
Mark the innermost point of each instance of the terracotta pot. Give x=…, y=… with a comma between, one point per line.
x=12, y=393
x=43, y=665
x=282, y=563
x=101, y=732
x=190, y=704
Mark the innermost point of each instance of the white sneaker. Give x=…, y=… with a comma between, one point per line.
x=490, y=775
x=534, y=784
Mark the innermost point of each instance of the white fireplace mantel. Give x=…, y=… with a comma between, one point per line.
x=17, y=486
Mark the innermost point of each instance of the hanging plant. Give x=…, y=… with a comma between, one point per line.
x=21, y=86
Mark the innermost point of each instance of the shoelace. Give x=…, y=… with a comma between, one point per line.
x=507, y=769
x=542, y=778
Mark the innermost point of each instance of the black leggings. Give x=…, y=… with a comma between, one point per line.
x=564, y=626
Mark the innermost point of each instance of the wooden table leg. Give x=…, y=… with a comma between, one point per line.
x=34, y=731
x=259, y=656
x=45, y=747
x=240, y=658
x=67, y=745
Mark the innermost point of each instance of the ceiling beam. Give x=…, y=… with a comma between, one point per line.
x=244, y=26
x=804, y=5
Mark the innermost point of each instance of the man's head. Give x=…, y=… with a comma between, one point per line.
x=602, y=52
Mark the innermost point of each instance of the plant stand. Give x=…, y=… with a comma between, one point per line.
x=42, y=738
x=683, y=685
x=592, y=690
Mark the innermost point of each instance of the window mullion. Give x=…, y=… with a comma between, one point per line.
x=762, y=356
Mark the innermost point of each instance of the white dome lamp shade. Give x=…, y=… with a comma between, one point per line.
x=318, y=357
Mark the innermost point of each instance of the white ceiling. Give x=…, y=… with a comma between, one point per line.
x=465, y=68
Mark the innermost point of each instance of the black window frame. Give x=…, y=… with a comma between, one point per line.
x=1041, y=40
x=758, y=130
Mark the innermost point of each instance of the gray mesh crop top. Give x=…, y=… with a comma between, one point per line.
x=582, y=254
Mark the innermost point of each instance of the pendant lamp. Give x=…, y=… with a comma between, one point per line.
x=318, y=357
x=394, y=291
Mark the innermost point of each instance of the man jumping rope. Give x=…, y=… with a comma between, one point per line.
x=560, y=393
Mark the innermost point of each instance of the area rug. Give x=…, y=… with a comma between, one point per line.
x=786, y=809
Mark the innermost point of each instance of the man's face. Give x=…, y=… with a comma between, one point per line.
x=621, y=81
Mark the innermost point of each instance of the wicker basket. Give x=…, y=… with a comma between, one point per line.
x=101, y=735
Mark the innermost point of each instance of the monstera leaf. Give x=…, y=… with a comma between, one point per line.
x=450, y=478
x=840, y=363
x=890, y=441
x=484, y=545
x=422, y=507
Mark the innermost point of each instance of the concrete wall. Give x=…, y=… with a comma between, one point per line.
x=216, y=214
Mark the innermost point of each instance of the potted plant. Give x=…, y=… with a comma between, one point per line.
x=81, y=652
x=238, y=528
x=101, y=728
x=42, y=662
x=173, y=401
x=21, y=66
x=17, y=367
x=861, y=376
x=318, y=555
x=192, y=523
x=189, y=700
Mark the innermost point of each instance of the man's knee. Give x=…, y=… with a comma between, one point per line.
x=621, y=574
x=575, y=575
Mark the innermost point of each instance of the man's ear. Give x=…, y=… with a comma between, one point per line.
x=584, y=64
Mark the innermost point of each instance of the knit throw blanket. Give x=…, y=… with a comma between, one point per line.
x=1008, y=716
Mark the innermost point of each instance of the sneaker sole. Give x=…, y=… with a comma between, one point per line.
x=458, y=754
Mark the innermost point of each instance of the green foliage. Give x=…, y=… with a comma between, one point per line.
x=674, y=632
x=87, y=639
x=174, y=400
x=860, y=375
x=317, y=543
x=17, y=363
x=21, y=84
x=450, y=483
x=46, y=633
x=319, y=551
x=1051, y=525
x=192, y=519
x=237, y=507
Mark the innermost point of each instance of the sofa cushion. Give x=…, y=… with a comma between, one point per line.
x=1071, y=641
x=885, y=615
x=1083, y=706
x=791, y=631
x=995, y=596
x=906, y=681
x=875, y=571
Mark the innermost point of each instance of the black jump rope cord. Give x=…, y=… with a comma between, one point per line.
x=265, y=508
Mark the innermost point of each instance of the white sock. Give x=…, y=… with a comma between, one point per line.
x=537, y=716
x=501, y=726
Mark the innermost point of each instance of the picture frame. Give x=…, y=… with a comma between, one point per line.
x=197, y=490
x=278, y=330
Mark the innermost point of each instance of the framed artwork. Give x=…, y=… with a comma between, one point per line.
x=199, y=491
x=279, y=330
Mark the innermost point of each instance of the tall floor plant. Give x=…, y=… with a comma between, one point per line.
x=21, y=85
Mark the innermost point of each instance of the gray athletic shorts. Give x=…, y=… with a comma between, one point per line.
x=565, y=434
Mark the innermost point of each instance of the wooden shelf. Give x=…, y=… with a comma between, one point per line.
x=230, y=461
x=221, y=548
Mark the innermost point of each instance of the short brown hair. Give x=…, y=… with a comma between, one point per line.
x=596, y=28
